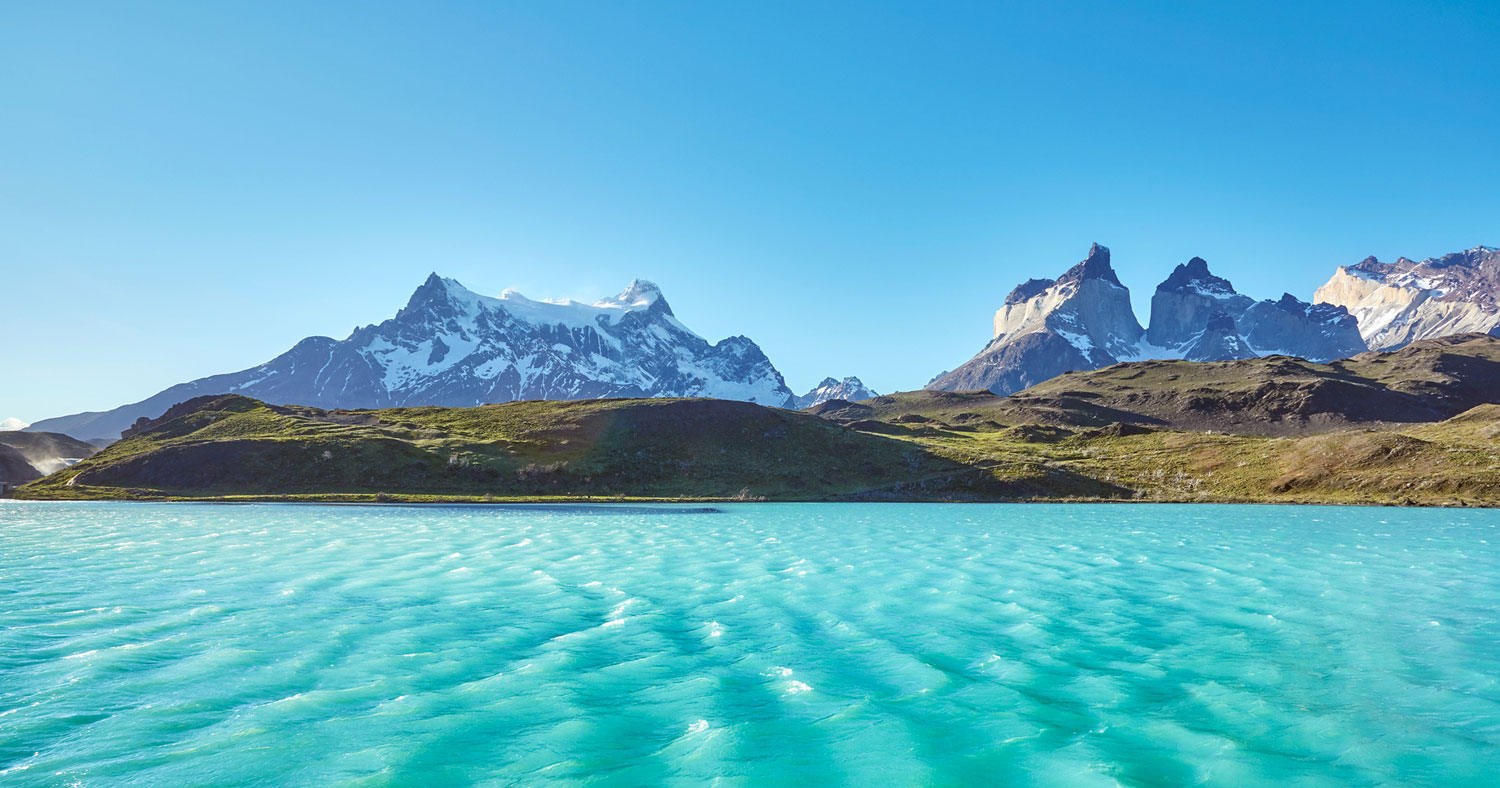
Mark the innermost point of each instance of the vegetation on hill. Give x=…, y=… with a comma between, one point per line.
x=1417, y=426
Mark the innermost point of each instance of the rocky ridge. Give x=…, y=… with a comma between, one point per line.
x=1405, y=301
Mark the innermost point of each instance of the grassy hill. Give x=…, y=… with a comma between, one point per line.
x=1418, y=426
x=1276, y=395
x=231, y=446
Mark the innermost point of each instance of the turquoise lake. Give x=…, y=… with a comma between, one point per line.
x=754, y=644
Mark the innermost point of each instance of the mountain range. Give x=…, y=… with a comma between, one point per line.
x=1405, y=301
x=450, y=346
x=1415, y=426
x=1083, y=319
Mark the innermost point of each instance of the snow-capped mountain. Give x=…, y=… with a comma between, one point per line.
x=11, y=424
x=1198, y=316
x=1084, y=320
x=451, y=346
x=849, y=389
x=1081, y=320
x=1401, y=302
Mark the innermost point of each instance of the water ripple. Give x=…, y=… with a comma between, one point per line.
x=757, y=644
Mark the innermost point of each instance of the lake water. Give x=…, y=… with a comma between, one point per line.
x=760, y=644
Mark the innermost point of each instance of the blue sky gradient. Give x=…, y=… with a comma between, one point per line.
x=189, y=188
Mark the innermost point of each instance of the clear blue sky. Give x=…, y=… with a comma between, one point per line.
x=189, y=188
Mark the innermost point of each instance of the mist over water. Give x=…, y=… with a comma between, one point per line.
x=760, y=644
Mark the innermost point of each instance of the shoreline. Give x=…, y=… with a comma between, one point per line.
x=395, y=499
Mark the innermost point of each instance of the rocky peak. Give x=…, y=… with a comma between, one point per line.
x=1184, y=303
x=850, y=389
x=1194, y=275
x=1094, y=266
x=639, y=293
x=436, y=291
x=1081, y=320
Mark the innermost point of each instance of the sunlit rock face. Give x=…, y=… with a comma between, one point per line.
x=1081, y=320
x=1404, y=301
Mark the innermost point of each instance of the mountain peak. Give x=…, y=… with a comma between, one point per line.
x=1094, y=266
x=435, y=289
x=1194, y=275
x=850, y=389
x=639, y=294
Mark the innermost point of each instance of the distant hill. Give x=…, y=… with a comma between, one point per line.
x=233, y=445
x=42, y=452
x=1425, y=381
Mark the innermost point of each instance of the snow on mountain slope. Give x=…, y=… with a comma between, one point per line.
x=451, y=346
x=12, y=423
x=1404, y=301
x=849, y=389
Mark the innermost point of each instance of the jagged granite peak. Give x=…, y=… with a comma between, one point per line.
x=1094, y=266
x=1293, y=327
x=1081, y=320
x=451, y=346
x=850, y=389
x=1194, y=276
x=1405, y=301
x=1192, y=296
x=1182, y=305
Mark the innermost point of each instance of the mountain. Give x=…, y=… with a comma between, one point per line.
x=11, y=424
x=1198, y=316
x=1081, y=320
x=848, y=389
x=1405, y=301
x=450, y=346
